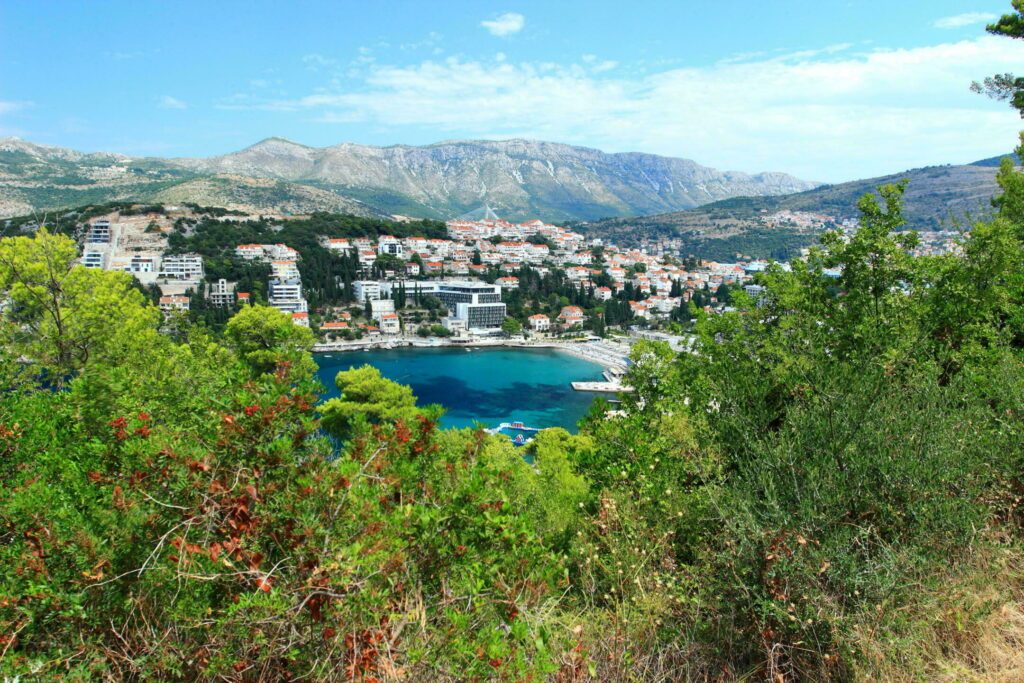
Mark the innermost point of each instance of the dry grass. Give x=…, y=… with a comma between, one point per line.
x=995, y=653
x=971, y=630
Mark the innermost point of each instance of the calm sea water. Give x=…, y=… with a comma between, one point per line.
x=489, y=386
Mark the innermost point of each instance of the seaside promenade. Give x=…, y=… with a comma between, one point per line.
x=612, y=356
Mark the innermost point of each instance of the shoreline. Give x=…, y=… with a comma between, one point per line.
x=610, y=359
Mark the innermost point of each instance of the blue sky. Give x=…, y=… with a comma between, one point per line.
x=827, y=90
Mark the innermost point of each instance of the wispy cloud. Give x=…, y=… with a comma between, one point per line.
x=11, y=106
x=505, y=25
x=599, y=65
x=965, y=19
x=317, y=61
x=432, y=42
x=168, y=102
x=826, y=114
x=122, y=56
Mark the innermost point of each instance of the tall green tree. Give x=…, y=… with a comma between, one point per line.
x=61, y=316
x=367, y=398
x=1006, y=86
x=268, y=341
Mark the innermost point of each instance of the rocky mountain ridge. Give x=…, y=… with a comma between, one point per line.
x=517, y=178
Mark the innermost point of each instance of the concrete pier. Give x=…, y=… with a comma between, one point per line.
x=611, y=387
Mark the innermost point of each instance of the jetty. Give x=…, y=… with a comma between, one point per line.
x=606, y=387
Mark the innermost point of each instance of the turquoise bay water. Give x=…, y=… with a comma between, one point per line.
x=484, y=385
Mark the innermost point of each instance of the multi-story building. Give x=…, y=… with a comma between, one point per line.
x=477, y=303
x=539, y=322
x=94, y=259
x=391, y=246
x=366, y=290
x=367, y=257
x=174, y=302
x=454, y=325
x=142, y=264
x=249, y=252
x=481, y=316
x=452, y=293
x=333, y=328
x=571, y=316
x=99, y=232
x=286, y=295
x=338, y=244
x=284, y=270
x=188, y=267
x=389, y=323
x=221, y=293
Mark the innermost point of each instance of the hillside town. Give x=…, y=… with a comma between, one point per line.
x=473, y=273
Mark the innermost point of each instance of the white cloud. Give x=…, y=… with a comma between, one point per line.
x=965, y=19
x=432, y=40
x=598, y=65
x=315, y=61
x=168, y=102
x=830, y=114
x=506, y=24
x=11, y=106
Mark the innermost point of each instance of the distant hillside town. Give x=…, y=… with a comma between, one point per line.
x=359, y=280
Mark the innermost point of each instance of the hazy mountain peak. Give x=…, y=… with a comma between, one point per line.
x=276, y=143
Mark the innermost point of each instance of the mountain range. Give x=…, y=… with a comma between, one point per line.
x=936, y=198
x=518, y=179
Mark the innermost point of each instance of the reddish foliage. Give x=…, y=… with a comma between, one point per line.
x=119, y=425
x=402, y=432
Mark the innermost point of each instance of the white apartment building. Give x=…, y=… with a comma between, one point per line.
x=508, y=282
x=142, y=264
x=380, y=306
x=284, y=270
x=391, y=246
x=94, y=259
x=249, y=252
x=99, y=232
x=281, y=252
x=366, y=290
x=389, y=323
x=539, y=322
x=187, y=267
x=286, y=295
x=338, y=245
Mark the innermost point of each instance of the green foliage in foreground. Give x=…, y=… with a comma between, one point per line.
x=809, y=496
